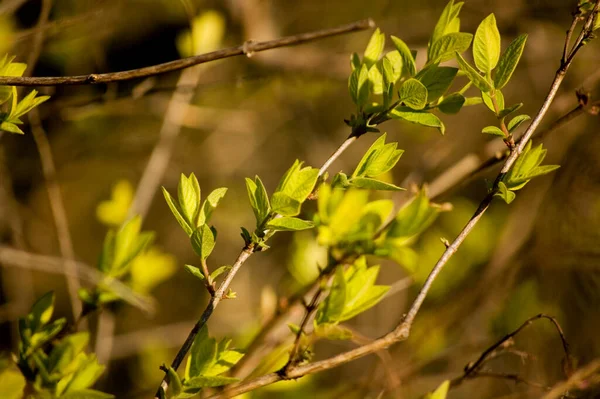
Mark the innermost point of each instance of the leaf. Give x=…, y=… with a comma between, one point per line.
x=509, y=110
x=209, y=381
x=64, y=353
x=395, y=60
x=413, y=94
x=203, y=354
x=219, y=271
x=487, y=100
x=259, y=199
x=374, y=48
x=437, y=80
x=188, y=193
x=177, y=213
x=113, y=212
x=376, y=78
x=517, y=121
x=203, y=241
x=86, y=374
x=10, y=127
x=408, y=62
x=333, y=306
x=447, y=23
x=372, y=298
x=379, y=158
x=285, y=205
x=486, y=45
x=479, y=81
x=418, y=117
x=210, y=204
x=472, y=101
x=508, y=62
x=355, y=61
x=333, y=332
x=29, y=102
x=362, y=93
x=441, y=392
x=12, y=384
x=504, y=193
x=413, y=218
x=289, y=224
x=452, y=104
x=175, y=385
x=41, y=311
x=194, y=271
x=493, y=130
x=448, y=45
x=373, y=184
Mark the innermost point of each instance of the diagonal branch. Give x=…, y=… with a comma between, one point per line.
x=247, y=49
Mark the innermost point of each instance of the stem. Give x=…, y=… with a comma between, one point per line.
x=336, y=154
x=247, y=48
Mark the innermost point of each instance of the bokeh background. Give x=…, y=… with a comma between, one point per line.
x=255, y=116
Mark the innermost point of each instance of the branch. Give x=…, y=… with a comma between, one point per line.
x=472, y=369
x=402, y=330
x=585, y=377
x=247, y=49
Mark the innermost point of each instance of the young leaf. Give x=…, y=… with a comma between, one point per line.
x=362, y=94
x=418, y=117
x=441, y=392
x=259, y=199
x=413, y=218
x=486, y=46
x=209, y=381
x=374, y=48
x=509, y=110
x=508, y=62
x=175, y=385
x=203, y=241
x=332, y=308
x=489, y=102
x=373, y=184
x=504, y=193
x=479, y=81
x=448, y=21
x=219, y=271
x=408, y=61
x=355, y=61
x=395, y=60
x=528, y=166
x=493, y=130
x=177, y=212
x=452, y=104
x=379, y=158
x=446, y=46
x=285, y=205
x=41, y=311
x=188, y=193
x=194, y=271
x=210, y=204
x=287, y=223
x=203, y=354
x=517, y=121
x=437, y=80
x=10, y=127
x=12, y=384
x=293, y=189
x=413, y=94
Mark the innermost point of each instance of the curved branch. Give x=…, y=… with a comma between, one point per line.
x=247, y=49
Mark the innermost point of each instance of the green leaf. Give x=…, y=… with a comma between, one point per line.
x=188, y=193
x=419, y=117
x=194, y=271
x=437, y=80
x=395, y=60
x=509, y=110
x=362, y=94
x=479, y=81
x=448, y=21
x=441, y=392
x=87, y=394
x=517, y=121
x=504, y=193
x=413, y=218
x=379, y=158
x=177, y=213
x=259, y=199
x=487, y=100
x=408, y=62
x=289, y=224
x=46, y=333
x=10, y=128
x=493, y=130
x=376, y=78
x=86, y=374
x=486, y=46
x=333, y=332
x=203, y=241
x=472, y=101
x=527, y=166
x=452, y=104
x=12, y=384
x=209, y=381
x=219, y=271
x=332, y=308
x=175, y=385
x=370, y=299
x=64, y=353
x=353, y=85
x=448, y=45
x=413, y=94
x=373, y=184
x=29, y=102
x=355, y=61
x=210, y=204
x=41, y=311
x=285, y=205
x=508, y=62
x=374, y=48
x=203, y=354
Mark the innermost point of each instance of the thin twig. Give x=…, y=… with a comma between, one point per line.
x=10, y=6
x=581, y=379
x=402, y=330
x=472, y=369
x=247, y=48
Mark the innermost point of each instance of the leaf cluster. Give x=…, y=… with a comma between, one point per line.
x=56, y=367
x=11, y=108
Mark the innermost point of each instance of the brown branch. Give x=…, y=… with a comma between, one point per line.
x=247, y=48
x=585, y=377
x=10, y=6
x=402, y=330
x=473, y=369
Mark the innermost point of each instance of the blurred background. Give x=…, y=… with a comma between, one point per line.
x=254, y=116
